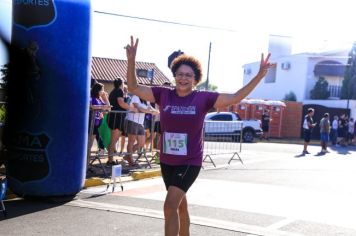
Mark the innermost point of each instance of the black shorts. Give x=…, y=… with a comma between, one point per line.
x=307, y=135
x=116, y=121
x=148, y=124
x=181, y=177
x=157, y=127
x=265, y=128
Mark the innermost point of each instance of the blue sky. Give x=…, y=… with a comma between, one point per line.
x=238, y=30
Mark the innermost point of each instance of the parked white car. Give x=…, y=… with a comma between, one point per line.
x=229, y=125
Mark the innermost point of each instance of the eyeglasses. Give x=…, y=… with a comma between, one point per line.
x=187, y=75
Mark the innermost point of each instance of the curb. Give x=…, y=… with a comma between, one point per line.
x=137, y=175
x=95, y=181
x=92, y=182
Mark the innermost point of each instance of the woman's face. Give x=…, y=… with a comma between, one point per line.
x=185, y=79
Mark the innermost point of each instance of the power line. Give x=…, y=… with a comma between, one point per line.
x=189, y=25
x=165, y=22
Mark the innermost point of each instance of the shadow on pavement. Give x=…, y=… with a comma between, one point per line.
x=20, y=207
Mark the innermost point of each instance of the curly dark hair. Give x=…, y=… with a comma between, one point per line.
x=190, y=61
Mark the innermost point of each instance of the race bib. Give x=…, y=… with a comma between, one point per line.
x=175, y=143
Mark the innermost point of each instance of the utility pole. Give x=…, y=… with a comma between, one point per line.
x=207, y=74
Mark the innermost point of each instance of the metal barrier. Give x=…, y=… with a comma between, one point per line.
x=128, y=122
x=222, y=137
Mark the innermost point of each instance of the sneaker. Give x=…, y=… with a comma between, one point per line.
x=129, y=159
x=306, y=152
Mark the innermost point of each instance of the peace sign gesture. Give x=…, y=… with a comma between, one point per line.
x=131, y=49
x=265, y=65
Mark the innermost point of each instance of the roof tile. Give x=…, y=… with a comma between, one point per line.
x=108, y=69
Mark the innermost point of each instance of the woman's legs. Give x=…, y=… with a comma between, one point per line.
x=176, y=213
x=184, y=218
x=122, y=143
x=140, y=142
x=130, y=148
x=115, y=134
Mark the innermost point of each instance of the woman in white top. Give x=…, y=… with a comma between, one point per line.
x=135, y=126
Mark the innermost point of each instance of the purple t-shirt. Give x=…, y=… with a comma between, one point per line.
x=97, y=101
x=182, y=120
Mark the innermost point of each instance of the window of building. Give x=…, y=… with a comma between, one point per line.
x=271, y=76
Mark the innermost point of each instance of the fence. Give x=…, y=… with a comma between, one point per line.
x=136, y=149
x=222, y=138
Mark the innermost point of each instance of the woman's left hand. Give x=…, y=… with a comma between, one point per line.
x=265, y=65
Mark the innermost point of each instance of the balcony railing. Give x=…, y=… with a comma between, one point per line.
x=335, y=91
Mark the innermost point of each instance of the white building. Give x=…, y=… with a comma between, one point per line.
x=298, y=73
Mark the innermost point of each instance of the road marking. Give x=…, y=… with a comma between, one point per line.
x=313, y=205
x=141, y=191
x=197, y=220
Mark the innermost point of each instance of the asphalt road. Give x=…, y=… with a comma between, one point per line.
x=275, y=191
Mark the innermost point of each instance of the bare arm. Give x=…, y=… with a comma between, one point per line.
x=144, y=92
x=225, y=99
x=124, y=105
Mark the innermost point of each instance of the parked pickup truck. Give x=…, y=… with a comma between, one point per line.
x=229, y=125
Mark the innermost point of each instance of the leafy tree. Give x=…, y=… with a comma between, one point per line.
x=290, y=97
x=349, y=82
x=320, y=90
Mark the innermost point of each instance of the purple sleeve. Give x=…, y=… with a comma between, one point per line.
x=211, y=98
x=157, y=91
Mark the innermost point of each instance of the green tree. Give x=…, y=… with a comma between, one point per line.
x=349, y=82
x=320, y=90
x=290, y=97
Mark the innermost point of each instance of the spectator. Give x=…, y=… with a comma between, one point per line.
x=351, y=130
x=98, y=101
x=308, y=126
x=123, y=136
x=116, y=118
x=334, y=132
x=157, y=128
x=266, y=119
x=135, y=127
x=324, y=133
x=148, y=129
x=98, y=139
x=343, y=130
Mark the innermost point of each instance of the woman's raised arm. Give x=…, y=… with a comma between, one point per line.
x=142, y=91
x=225, y=99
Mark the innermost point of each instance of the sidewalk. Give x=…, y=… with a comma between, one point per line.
x=99, y=173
